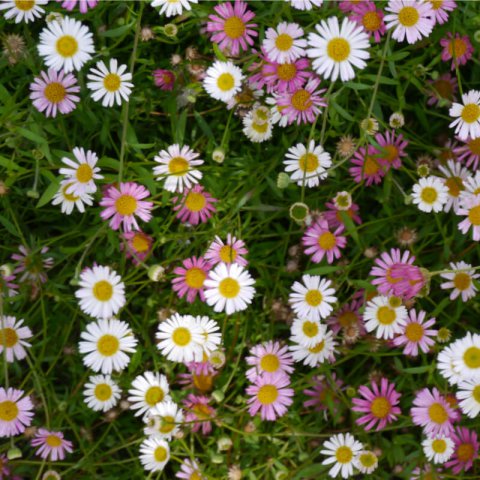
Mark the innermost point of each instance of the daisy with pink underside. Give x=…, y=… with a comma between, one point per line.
x=366, y=166
x=465, y=450
x=270, y=395
x=52, y=445
x=392, y=149
x=122, y=204
x=458, y=49
x=270, y=357
x=432, y=412
x=368, y=16
x=416, y=334
x=191, y=278
x=15, y=412
x=231, y=28
x=460, y=280
x=198, y=413
x=469, y=207
x=195, y=206
x=232, y=251
x=379, y=403
x=320, y=242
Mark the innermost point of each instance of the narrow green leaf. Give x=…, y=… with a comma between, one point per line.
x=48, y=194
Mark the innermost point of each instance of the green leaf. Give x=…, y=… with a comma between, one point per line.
x=218, y=53
x=34, y=137
x=9, y=226
x=117, y=32
x=204, y=126
x=350, y=226
x=48, y=194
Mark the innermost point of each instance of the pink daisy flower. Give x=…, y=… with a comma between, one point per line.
x=124, y=203
x=469, y=207
x=137, y=246
x=379, y=404
x=334, y=218
x=392, y=149
x=270, y=395
x=466, y=450
x=83, y=6
x=285, y=77
x=416, y=333
x=321, y=242
x=348, y=316
x=441, y=8
x=231, y=28
x=15, y=412
x=269, y=357
x=426, y=472
x=194, y=206
x=189, y=470
x=444, y=88
x=32, y=264
x=432, y=412
x=469, y=152
x=322, y=393
x=368, y=16
x=52, y=445
x=200, y=376
x=53, y=92
x=458, y=49
x=302, y=105
x=191, y=278
x=348, y=5
x=4, y=471
x=231, y=251
x=366, y=166
x=164, y=79
x=199, y=413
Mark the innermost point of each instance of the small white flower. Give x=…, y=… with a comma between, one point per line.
x=307, y=333
x=163, y=420
x=154, y=454
x=446, y=366
x=101, y=393
x=341, y=451
x=147, y=391
x=13, y=338
x=211, y=337
x=438, y=449
x=468, y=396
x=385, y=315
x=430, y=193
x=82, y=173
x=467, y=116
x=466, y=356
x=23, y=11
x=461, y=281
x=455, y=176
x=68, y=201
x=169, y=8
x=317, y=354
x=223, y=80
x=256, y=131
x=284, y=44
x=366, y=461
x=305, y=4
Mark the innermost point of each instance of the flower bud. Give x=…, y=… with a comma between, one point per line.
x=218, y=155
x=156, y=273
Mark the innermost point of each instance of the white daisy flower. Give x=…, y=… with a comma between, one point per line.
x=66, y=45
x=180, y=339
x=438, y=449
x=256, y=131
x=468, y=396
x=305, y=4
x=386, y=315
x=112, y=84
x=472, y=184
x=13, y=338
x=154, y=454
x=276, y=117
x=163, y=420
x=337, y=49
x=430, y=193
x=285, y=43
x=461, y=281
x=341, y=450
x=176, y=167
x=366, y=462
x=307, y=333
x=147, y=391
x=466, y=356
x=223, y=80
x=23, y=10
x=101, y=393
x=313, y=298
x=228, y=288
x=467, y=115
x=307, y=165
x=102, y=294
x=82, y=172
x=319, y=353
x=169, y=8
x=455, y=176
x=446, y=365
x=106, y=344
x=68, y=201
x=211, y=337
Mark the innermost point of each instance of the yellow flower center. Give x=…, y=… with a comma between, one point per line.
x=308, y=162
x=284, y=42
x=228, y=254
x=270, y=363
x=167, y=424
x=347, y=319
x=84, y=173
x=437, y=413
x=108, y=345
x=429, y=195
x=202, y=411
x=474, y=146
x=310, y=329
x=436, y=4
x=195, y=201
x=24, y=5
x=386, y=315
x=8, y=337
x=8, y=411
x=318, y=347
x=267, y=394
x=234, y=27
x=53, y=441
x=344, y=454
x=471, y=357
x=154, y=395
x=408, y=16
x=462, y=281
x=454, y=185
x=286, y=71
x=140, y=243
x=103, y=291
x=225, y=82
x=370, y=166
x=457, y=47
x=112, y=82
x=474, y=215
x=69, y=196
x=260, y=127
x=470, y=113
x=67, y=46
x=371, y=21
x=367, y=459
x=439, y=445
x=476, y=393
x=178, y=166
x=181, y=336
x=390, y=153
x=160, y=454
x=55, y=92
x=203, y=383
x=313, y=298
x=103, y=392
x=195, y=476
x=126, y=205
x=338, y=49
x=229, y=287
x=414, y=332
x=465, y=452
x=195, y=277
x=301, y=100
x=380, y=407
x=327, y=241
x=443, y=89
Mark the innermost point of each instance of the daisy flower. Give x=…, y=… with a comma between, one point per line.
x=69, y=201
x=223, y=80
x=469, y=152
x=284, y=44
x=180, y=339
x=211, y=338
x=201, y=375
x=387, y=316
x=341, y=450
x=307, y=164
x=122, y=204
x=380, y=405
x=52, y=445
x=231, y=28
x=137, y=246
x=442, y=90
x=305, y=4
x=53, y=92
x=229, y=288
x=458, y=49
x=7, y=287
x=15, y=412
x=338, y=48
x=465, y=450
x=472, y=186
x=455, y=175
x=198, y=413
x=191, y=278
x=106, y=344
x=346, y=317
x=164, y=79
x=432, y=412
x=111, y=85
x=368, y=16
x=466, y=356
x=366, y=461
x=176, y=167
x=446, y=365
x=83, y=5
x=256, y=131
x=320, y=242
x=169, y=8
x=468, y=396
x=467, y=116
x=270, y=395
x=460, y=280
x=313, y=356
x=270, y=357
x=313, y=298
x=441, y=9
x=101, y=393
x=430, y=194
x=285, y=77
x=155, y=452
x=23, y=11
x=66, y=45
x=416, y=334
x=410, y=19
x=163, y=420
x=392, y=149
x=102, y=292
x=190, y=470
x=438, y=449
x=342, y=202
x=82, y=172
x=307, y=332
x=322, y=394
x=147, y=391
x=32, y=264
x=367, y=166
x=194, y=206
x=232, y=251
x=13, y=338
x=469, y=207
